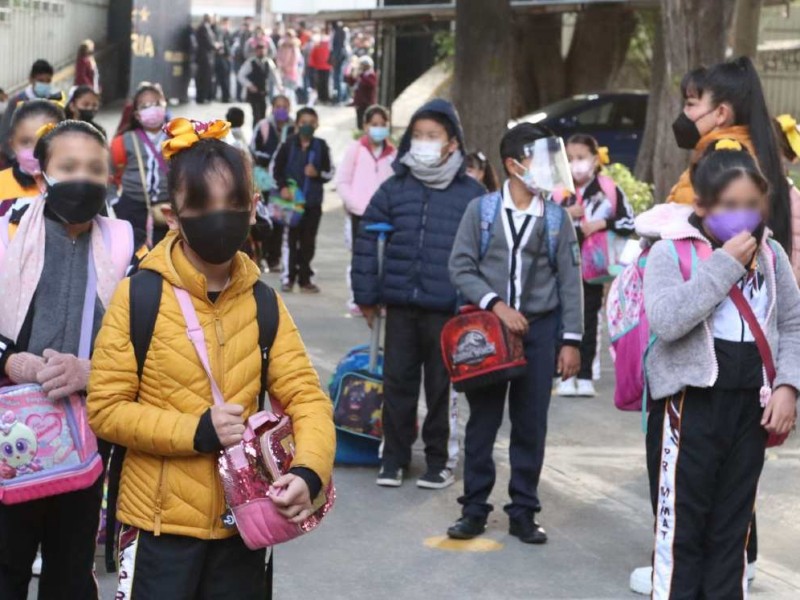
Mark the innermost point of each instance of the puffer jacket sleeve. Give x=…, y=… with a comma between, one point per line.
x=366, y=285
x=788, y=304
x=292, y=380
x=115, y=414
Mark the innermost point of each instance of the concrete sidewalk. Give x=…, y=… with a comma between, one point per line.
x=381, y=543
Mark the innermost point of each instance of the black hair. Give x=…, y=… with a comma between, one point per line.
x=211, y=157
x=307, y=110
x=78, y=93
x=737, y=83
x=783, y=142
x=41, y=67
x=35, y=108
x=441, y=119
x=478, y=160
x=718, y=168
x=584, y=139
x=281, y=97
x=518, y=137
x=42, y=149
x=141, y=91
x=235, y=116
x=376, y=109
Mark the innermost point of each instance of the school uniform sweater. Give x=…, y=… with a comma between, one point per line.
x=517, y=268
x=291, y=161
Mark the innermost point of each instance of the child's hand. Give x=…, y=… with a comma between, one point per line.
x=286, y=193
x=590, y=227
x=291, y=496
x=513, y=319
x=63, y=374
x=228, y=423
x=781, y=411
x=569, y=362
x=741, y=247
x=311, y=171
x=369, y=312
x=576, y=211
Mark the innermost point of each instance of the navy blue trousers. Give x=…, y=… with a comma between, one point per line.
x=528, y=403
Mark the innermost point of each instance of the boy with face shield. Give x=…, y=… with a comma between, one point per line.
x=528, y=273
x=423, y=201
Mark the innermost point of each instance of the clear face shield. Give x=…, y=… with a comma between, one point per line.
x=549, y=167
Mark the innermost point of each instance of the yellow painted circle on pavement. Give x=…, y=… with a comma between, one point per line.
x=480, y=544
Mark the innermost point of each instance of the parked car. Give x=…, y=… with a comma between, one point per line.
x=615, y=119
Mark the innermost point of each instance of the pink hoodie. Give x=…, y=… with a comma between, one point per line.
x=361, y=174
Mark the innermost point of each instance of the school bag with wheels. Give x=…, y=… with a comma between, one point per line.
x=356, y=389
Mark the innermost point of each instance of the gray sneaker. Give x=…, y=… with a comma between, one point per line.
x=436, y=479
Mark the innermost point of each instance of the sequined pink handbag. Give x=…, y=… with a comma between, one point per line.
x=249, y=468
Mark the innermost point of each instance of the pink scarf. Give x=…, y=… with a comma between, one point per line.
x=23, y=262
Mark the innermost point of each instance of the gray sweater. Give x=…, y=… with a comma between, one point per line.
x=680, y=314
x=543, y=289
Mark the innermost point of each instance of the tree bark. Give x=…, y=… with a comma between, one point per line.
x=693, y=33
x=746, y=25
x=482, y=72
x=538, y=67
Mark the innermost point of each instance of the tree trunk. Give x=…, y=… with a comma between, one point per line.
x=482, y=72
x=538, y=76
x=746, y=26
x=693, y=33
x=593, y=59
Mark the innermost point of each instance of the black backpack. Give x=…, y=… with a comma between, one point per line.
x=145, y=298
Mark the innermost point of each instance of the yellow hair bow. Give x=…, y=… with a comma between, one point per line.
x=44, y=130
x=603, y=156
x=183, y=133
x=728, y=144
x=789, y=127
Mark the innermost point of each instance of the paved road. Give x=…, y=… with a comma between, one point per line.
x=384, y=543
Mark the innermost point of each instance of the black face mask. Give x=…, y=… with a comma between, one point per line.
x=87, y=114
x=75, y=201
x=686, y=132
x=216, y=237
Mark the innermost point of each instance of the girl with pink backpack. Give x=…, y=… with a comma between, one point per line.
x=603, y=218
x=723, y=369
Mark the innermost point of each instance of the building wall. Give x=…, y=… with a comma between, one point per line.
x=49, y=29
x=313, y=6
x=779, y=58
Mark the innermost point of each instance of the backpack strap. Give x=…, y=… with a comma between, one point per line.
x=553, y=219
x=609, y=188
x=488, y=209
x=118, y=236
x=267, y=314
x=145, y=300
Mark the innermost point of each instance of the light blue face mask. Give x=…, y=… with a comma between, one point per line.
x=42, y=89
x=378, y=134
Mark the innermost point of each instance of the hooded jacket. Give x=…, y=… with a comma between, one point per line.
x=167, y=486
x=361, y=174
x=425, y=222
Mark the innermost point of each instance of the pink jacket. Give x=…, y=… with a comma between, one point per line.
x=361, y=174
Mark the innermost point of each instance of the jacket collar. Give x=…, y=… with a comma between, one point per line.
x=388, y=148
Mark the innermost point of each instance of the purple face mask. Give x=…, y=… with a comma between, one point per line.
x=27, y=162
x=728, y=224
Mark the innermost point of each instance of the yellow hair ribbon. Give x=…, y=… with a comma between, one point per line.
x=603, y=156
x=44, y=130
x=183, y=133
x=789, y=127
x=728, y=144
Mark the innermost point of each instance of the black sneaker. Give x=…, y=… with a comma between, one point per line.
x=390, y=476
x=467, y=528
x=436, y=479
x=527, y=530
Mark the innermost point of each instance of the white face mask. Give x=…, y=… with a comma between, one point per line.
x=582, y=169
x=426, y=152
x=3, y=107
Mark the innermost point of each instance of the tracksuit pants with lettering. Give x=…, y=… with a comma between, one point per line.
x=705, y=452
x=528, y=405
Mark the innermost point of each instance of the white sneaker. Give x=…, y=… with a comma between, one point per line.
x=36, y=570
x=642, y=581
x=568, y=388
x=586, y=388
x=751, y=572
x=597, y=368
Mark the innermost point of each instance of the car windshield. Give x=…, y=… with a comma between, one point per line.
x=557, y=108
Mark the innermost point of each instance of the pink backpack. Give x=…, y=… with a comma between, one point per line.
x=599, y=252
x=628, y=327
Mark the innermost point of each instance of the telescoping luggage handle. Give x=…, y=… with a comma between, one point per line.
x=383, y=230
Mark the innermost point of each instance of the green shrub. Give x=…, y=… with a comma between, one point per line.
x=639, y=193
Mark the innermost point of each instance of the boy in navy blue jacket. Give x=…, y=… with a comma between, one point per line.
x=307, y=160
x=424, y=202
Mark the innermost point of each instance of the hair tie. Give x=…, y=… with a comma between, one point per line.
x=44, y=130
x=184, y=133
x=728, y=144
x=789, y=127
x=603, y=156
